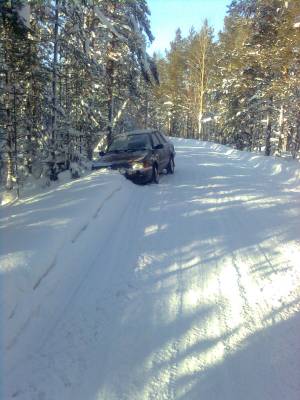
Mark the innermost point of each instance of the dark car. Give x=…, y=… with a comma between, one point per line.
x=140, y=155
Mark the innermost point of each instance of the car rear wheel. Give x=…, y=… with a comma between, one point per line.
x=171, y=166
x=155, y=174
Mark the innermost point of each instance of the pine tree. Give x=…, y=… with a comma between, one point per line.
x=69, y=73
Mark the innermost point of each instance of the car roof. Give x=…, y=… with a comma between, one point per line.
x=140, y=132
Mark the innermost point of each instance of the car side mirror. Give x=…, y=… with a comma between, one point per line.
x=159, y=146
x=101, y=153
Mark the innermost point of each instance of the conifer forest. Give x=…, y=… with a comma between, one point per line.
x=75, y=73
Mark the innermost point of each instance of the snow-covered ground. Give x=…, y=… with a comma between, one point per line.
x=184, y=290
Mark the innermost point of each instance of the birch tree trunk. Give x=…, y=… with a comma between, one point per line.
x=282, y=143
x=268, y=129
x=202, y=85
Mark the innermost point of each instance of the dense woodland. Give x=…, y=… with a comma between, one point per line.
x=242, y=89
x=74, y=73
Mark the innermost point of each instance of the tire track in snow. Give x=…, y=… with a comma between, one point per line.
x=36, y=311
x=241, y=287
x=51, y=266
x=74, y=239
x=180, y=291
x=268, y=299
x=235, y=316
x=76, y=290
x=75, y=311
x=119, y=295
x=164, y=360
x=81, y=230
x=258, y=256
x=250, y=318
x=95, y=215
x=256, y=306
x=24, y=326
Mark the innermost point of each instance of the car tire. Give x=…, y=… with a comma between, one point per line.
x=171, y=166
x=155, y=174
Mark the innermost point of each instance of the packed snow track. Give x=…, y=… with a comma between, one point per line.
x=184, y=290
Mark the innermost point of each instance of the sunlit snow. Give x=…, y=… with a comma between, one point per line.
x=184, y=290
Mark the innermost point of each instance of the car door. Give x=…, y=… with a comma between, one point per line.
x=159, y=153
x=168, y=148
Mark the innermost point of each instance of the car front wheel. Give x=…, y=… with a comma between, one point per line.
x=155, y=174
x=171, y=166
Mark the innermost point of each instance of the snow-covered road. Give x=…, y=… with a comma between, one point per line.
x=184, y=290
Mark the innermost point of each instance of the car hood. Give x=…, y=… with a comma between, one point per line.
x=110, y=159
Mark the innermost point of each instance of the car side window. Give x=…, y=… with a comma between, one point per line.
x=155, y=140
x=162, y=138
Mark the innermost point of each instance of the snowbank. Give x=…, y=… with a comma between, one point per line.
x=287, y=170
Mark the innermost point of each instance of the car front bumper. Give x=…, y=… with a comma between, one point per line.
x=142, y=175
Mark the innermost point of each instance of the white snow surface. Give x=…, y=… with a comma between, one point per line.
x=184, y=290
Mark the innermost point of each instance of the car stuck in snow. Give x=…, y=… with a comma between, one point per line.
x=139, y=155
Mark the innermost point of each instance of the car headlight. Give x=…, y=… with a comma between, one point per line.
x=137, y=165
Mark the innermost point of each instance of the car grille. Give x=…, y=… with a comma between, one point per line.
x=120, y=165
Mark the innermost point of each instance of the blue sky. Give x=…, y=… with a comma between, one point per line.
x=168, y=15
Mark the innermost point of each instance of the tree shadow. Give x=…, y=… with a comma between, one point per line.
x=266, y=366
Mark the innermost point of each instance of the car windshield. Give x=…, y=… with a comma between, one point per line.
x=130, y=143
